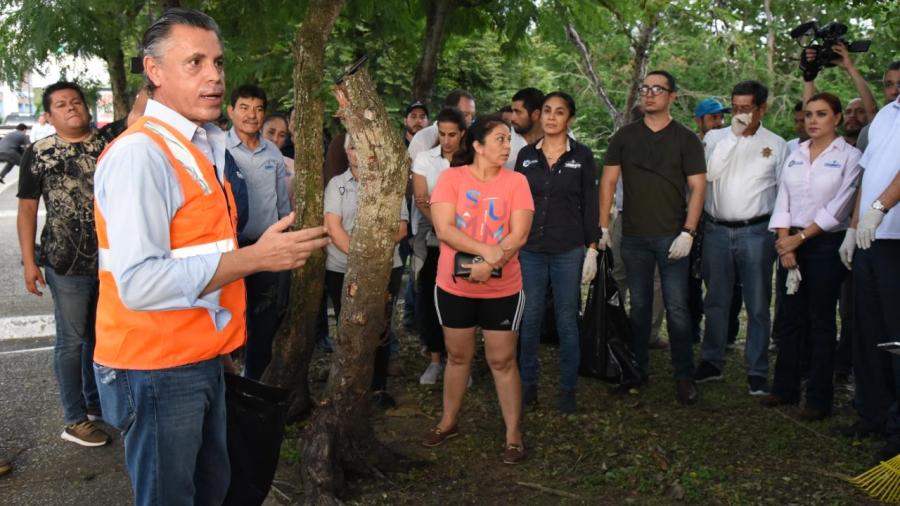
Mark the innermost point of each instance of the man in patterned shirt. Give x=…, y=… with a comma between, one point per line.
x=60, y=169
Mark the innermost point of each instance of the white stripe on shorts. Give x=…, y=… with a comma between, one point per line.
x=520, y=306
x=437, y=308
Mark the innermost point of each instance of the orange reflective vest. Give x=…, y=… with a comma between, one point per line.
x=205, y=223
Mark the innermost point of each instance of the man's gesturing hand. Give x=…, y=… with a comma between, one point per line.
x=279, y=249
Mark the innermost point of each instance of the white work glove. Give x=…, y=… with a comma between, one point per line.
x=793, y=281
x=589, y=268
x=681, y=246
x=865, y=229
x=603, y=243
x=848, y=247
x=739, y=123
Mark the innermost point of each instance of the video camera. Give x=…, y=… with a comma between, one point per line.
x=829, y=35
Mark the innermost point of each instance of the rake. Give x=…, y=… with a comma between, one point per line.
x=882, y=481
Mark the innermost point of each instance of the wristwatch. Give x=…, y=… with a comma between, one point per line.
x=878, y=206
x=692, y=233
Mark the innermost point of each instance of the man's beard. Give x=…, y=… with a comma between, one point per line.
x=852, y=132
x=523, y=130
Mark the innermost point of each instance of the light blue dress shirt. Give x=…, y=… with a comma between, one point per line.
x=138, y=194
x=264, y=172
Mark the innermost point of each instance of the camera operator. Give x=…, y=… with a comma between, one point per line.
x=891, y=83
x=860, y=111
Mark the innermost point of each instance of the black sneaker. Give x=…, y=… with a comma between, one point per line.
x=383, y=400
x=707, y=372
x=758, y=385
x=890, y=450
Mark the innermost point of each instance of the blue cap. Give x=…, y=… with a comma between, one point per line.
x=709, y=106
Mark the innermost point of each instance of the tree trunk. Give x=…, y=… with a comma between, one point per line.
x=293, y=345
x=770, y=41
x=340, y=435
x=641, y=49
x=588, y=62
x=115, y=63
x=426, y=70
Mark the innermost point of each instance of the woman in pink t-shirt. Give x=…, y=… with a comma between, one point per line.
x=480, y=209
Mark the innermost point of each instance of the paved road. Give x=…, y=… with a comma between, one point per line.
x=47, y=470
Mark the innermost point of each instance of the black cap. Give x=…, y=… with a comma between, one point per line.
x=415, y=105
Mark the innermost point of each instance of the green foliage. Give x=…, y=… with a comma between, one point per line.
x=492, y=47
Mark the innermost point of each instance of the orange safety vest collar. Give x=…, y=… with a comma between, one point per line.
x=205, y=223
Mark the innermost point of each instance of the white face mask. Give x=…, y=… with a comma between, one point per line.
x=743, y=118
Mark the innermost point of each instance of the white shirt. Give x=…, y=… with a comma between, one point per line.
x=880, y=162
x=427, y=138
x=821, y=192
x=429, y=164
x=742, y=173
x=39, y=131
x=793, y=144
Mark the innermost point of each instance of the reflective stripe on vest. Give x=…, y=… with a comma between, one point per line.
x=105, y=256
x=144, y=339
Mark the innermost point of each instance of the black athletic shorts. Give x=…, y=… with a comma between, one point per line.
x=455, y=312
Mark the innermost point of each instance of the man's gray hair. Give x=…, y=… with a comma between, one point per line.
x=156, y=35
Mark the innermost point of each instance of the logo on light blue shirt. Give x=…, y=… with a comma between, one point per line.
x=834, y=164
x=795, y=162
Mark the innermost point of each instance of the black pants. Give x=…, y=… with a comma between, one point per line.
x=426, y=314
x=334, y=283
x=876, y=290
x=809, y=319
x=267, y=294
x=10, y=160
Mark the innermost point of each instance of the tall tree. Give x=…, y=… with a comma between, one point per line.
x=426, y=70
x=293, y=345
x=340, y=435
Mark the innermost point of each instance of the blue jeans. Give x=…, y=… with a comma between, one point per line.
x=75, y=310
x=564, y=272
x=173, y=422
x=748, y=253
x=809, y=323
x=876, y=290
x=642, y=256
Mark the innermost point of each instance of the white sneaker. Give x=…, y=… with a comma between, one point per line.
x=432, y=374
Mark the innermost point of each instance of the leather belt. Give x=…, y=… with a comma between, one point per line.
x=740, y=223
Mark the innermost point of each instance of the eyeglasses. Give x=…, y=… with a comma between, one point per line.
x=892, y=84
x=654, y=90
x=742, y=109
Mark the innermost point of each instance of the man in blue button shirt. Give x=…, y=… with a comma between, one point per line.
x=262, y=166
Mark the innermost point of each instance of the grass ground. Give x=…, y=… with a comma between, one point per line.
x=641, y=448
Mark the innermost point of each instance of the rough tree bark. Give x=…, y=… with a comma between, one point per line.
x=340, y=435
x=426, y=70
x=293, y=345
x=770, y=40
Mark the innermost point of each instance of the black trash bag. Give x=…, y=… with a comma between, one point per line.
x=605, y=331
x=255, y=415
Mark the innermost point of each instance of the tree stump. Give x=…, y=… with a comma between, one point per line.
x=340, y=436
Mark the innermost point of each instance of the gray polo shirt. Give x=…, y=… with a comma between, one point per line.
x=263, y=170
x=341, y=198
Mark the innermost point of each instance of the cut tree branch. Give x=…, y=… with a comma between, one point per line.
x=587, y=61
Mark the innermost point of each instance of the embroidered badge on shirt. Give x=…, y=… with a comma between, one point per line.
x=767, y=151
x=834, y=164
x=526, y=163
x=571, y=164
